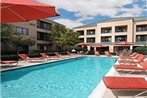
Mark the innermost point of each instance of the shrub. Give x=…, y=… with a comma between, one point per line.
x=91, y=53
x=9, y=57
x=141, y=49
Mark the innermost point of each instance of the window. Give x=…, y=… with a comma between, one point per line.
x=43, y=36
x=140, y=38
x=106, y=39
x=120, y=38
x=23, y=31
x=106, y=30
x=121, y=29
x=44, y=25
x=91, y=40
x=90, y=32
x=81, y=39
x=141, y=28
x=81, y=32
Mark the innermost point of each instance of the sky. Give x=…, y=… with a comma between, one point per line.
x=75, y=13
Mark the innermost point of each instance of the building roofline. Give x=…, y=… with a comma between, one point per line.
x=135, y=19
x=51, y=21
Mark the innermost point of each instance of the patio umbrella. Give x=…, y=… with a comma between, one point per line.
x=24, y=10
x=82, y=44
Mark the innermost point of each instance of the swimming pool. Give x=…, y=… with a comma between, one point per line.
x=74, y=78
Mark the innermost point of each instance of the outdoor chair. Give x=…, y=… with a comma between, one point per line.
x=107, y=53
x=130, y=57
x=27, y=58
x=9, y=63
x=45, y=56
x=97, y=53
x=133, y=68
x=126, y=86
x=57, y=54
x=137, y=59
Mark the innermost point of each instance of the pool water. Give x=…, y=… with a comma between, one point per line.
x=75, y=78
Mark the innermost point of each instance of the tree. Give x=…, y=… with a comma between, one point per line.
x=63, y=37
x=56, y=32
x=6, y=33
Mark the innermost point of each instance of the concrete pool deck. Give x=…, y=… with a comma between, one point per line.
x=23, y=63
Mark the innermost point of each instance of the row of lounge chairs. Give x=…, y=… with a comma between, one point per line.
x=43, y=58
x=121, y=85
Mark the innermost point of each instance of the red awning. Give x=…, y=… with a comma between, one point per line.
x=25, y=10
x=125, y=43
x=82, y=44
x=98, y=46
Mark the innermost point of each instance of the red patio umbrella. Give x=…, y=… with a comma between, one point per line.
x=98, y=46
x=124, y=43
x=82, y=44
x=24, y=10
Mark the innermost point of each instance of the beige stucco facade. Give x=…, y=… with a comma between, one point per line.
x=32, y=28
x=113, y=30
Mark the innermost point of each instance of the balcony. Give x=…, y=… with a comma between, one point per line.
x=43, y=36
x=141, y=43
x=141, y=28
x=119, y=29
x=106, y=39
x=81, y=39
x=90, y=40
x=106, y=43
x=90, y=32
x=106, y=30
x=120, y=38
x=141, y=38
x=81, y=33
x=44, y=25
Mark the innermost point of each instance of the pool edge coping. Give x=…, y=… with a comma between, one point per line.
x=40, y=63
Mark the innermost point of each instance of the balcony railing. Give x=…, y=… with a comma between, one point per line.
x=140, y=42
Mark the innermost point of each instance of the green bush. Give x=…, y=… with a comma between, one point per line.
x=9, y=57
x=141, y=49
x=91, y=53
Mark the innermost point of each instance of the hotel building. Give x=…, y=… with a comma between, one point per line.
x=39, y=30
x=113, y=31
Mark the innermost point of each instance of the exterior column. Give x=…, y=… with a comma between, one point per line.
x=131, y=47
x=88, y=48
x=111, y=48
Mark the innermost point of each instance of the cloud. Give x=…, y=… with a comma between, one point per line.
x=68, y=23
x=131, y=12
x=89, y=9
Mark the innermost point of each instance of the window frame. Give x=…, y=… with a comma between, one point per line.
x=22, y=29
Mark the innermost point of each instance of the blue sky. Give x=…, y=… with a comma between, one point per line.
x=74, y=13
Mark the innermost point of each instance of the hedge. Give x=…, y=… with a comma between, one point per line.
x=141, y=49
